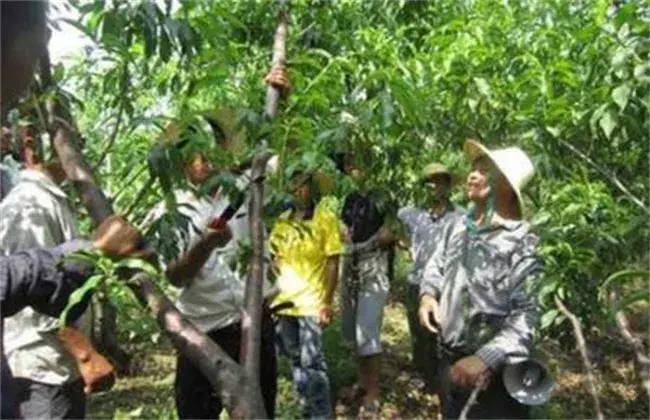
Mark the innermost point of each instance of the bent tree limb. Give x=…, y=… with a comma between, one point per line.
x=252, y=316
x=224, y=374
x=642, y=360
x=582, y=346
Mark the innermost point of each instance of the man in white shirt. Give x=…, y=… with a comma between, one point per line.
x=45, y=361
x=212, y=291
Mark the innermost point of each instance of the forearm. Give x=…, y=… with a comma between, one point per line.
x=187, y=266
x=76, y=344
x=35, y=278
x=385, y=238
x=517, y=332
x=332, y=278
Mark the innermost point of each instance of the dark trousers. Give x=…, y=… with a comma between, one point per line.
x=492, y=403
x=424, y=343
x=300, y=339
x=195, y=397
x=43, y=401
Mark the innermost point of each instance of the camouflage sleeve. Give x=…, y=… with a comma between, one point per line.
x=516, y=335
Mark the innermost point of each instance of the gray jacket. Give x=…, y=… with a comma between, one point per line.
x=484, y=285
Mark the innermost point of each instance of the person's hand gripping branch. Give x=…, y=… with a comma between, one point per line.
x=279, y=79
x=117, y=239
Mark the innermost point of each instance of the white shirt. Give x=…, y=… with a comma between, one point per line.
x=35, y=214
x=215, y=297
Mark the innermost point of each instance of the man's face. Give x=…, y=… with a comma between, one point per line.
x=439, y=186
x=198, y=169
x=477, y=186
x=300, y=188
x=478, y=181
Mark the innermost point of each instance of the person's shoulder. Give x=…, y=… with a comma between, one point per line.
x=407, y=213
x=28, y=199
x=519, y=235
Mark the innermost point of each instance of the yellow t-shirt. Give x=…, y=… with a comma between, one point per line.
x=301, y=250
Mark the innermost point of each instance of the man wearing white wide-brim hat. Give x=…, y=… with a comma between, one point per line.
x=477, y=291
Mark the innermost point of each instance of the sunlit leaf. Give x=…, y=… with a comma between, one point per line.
x=620, y=95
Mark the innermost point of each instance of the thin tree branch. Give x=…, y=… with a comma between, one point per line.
x=473, y=397
x=582, y=346
x=111, y=138
x=642, y=362
x=609, y=176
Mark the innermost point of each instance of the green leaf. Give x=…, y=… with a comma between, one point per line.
x=548, y=318
x=84, y=257
x=78, y=295
x=621, y=95
x=607, y=123
x=620, y=276
x=139, y=264
x=555, y=131
x=482, y=86
x=639, y=295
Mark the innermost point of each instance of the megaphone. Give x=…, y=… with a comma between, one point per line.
x=528, y=381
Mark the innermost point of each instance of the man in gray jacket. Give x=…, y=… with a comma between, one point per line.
x=425, y=230
x=477, y=291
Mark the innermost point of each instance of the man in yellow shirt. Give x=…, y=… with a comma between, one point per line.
x=306, y=245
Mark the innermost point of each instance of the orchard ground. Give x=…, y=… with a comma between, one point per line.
x=148, y=391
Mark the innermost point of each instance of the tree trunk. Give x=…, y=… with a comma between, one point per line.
x=252, y=316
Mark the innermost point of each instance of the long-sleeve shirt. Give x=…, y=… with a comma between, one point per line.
x=427, y=231
x=36, y=214
x=36, y=279
x=483, y=282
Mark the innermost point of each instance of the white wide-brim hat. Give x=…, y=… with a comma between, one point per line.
x=512, y=162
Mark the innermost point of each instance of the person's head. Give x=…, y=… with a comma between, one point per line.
x=500, y=175
x=350, y=166
x=198, y=168
x=303, y=188
x=34, y=156
x=438, y=180
x=484, y=179
x=23, y=38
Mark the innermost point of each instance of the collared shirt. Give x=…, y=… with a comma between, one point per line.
x=301, y=249
x=36, y=214
x=215, y=297
x=483, y=282
x=427, y=231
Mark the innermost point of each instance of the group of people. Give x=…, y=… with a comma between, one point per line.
x=471, y=305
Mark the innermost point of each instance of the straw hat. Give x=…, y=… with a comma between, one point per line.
x=436, y=168
x=512, y=162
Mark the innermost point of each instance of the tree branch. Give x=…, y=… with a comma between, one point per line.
x=473, y=397
x=279, y=59
x=610, y=177
x=642, y=362
x=582, y=346
x=252, y=316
